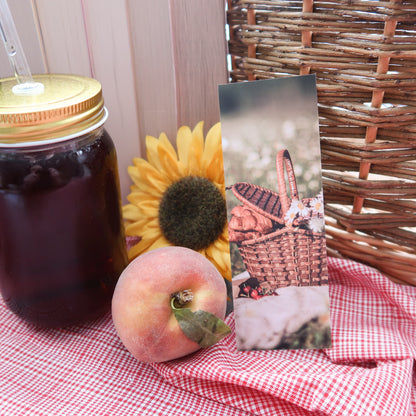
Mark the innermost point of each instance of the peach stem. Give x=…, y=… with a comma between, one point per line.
x=181, y=298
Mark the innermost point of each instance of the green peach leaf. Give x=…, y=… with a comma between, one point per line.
x=202, y=327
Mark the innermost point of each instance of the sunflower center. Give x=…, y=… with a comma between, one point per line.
x=192, y=213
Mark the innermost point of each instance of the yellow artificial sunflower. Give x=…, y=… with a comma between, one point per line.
x=178, y=197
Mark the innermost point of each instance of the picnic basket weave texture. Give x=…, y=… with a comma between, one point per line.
x=363, y=54
x=290, y=255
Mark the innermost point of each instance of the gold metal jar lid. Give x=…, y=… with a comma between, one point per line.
x=68, y=106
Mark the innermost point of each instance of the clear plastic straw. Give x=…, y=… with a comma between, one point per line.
x=25, y=83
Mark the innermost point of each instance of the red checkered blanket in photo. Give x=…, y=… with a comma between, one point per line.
x=86, y=370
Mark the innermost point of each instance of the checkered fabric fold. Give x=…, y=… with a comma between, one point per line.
x=86, y=370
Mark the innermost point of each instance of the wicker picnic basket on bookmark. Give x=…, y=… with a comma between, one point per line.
x=280, y=237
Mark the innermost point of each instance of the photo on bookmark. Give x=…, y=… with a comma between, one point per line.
x=272, y=165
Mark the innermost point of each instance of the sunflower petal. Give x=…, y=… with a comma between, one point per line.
x=141, y=169
x=145, y=228
x=134, y=188
x=148, y=234
x=152, y=152
x=160, y=242
x=138, y=249
x=166, y=143
x=146, y=245
x=219, y=250
x=149, y=207
x=213, y=142
x=220, y=257
x=169, y=162
x=136, y=197
x=198, y=137
x=196, y=151
x=212, y=161
x=183, y=143
x=130, y=212
x=147, y=178
x=214, y=171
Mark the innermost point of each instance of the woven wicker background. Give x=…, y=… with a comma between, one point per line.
x=364, y=56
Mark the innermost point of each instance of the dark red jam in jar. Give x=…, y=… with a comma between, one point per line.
x=62, y=245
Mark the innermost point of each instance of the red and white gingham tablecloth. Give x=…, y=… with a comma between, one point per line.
x=87, y=371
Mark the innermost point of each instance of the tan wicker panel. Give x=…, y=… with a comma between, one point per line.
x=364, y=56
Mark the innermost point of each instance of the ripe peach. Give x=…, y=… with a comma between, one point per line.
x=141, y=305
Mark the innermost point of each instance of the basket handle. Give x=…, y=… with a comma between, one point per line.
x=283, y=160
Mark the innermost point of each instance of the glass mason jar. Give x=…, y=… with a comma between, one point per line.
x=62, y=245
